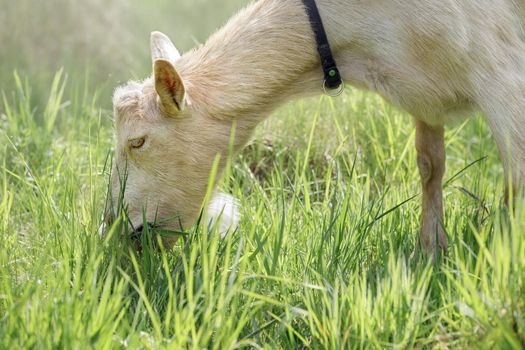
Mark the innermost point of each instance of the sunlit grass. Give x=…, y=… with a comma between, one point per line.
x=322, y=258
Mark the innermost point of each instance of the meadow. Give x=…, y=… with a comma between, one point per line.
x=330, y=199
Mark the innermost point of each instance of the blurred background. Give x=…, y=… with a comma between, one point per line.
x=106, y=42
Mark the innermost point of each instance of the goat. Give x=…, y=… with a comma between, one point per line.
x=435, y=59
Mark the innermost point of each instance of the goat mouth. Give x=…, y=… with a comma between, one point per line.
x=136, y=234
x=149, y=228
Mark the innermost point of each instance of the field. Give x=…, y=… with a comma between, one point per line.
x=330, y=197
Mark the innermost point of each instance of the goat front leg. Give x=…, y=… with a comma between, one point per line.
x=430, y=146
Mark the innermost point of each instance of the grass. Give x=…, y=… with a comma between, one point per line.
x=322, y=258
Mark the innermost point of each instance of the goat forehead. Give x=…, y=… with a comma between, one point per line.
x=134, y=100
x=131, y=92
x=126, y=92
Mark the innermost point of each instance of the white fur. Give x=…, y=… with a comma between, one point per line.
x=223, y=212
x=162, y=47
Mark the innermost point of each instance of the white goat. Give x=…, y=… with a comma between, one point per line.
x=433, y=58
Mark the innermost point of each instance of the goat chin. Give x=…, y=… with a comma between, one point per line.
x=223, y=213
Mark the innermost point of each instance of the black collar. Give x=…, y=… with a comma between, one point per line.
x=332, y=77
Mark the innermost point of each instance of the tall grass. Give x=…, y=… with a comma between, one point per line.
x=322, y=258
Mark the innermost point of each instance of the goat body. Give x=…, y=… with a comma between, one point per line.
x=436, y=59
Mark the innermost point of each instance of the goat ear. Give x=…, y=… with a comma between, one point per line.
x=163, y=48
x=169, y=87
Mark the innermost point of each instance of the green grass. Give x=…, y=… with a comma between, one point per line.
x=321, y=260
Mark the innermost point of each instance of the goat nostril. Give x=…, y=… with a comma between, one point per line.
x=137, y=232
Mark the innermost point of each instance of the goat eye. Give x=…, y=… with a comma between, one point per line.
x=137, y=143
